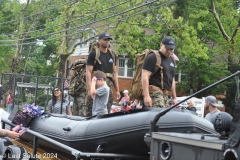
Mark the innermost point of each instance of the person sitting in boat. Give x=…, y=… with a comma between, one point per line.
x=211, y=105
x=99, y=93
x=58, y=104
x=10, y=134
x=191, y=105
x=124, y=100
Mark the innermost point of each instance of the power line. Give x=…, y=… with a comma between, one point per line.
x=95, y=27
x=99, y=11
x=69, y=35
x=101, y=19
x=39, y=12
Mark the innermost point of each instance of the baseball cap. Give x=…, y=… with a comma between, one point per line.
x=104, y=35
x=169, y=42
x=212, y=100
x=125, y=91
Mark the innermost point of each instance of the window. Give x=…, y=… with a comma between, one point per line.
x=83, y=44
x=179, y=76
x=125, y=67
x=86, y=38
x=121, y=67
x=130, y=69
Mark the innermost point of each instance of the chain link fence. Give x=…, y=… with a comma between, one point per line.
x=31, y=88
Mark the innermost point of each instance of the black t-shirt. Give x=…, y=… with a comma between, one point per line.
x=106, y=60
x=168, y=70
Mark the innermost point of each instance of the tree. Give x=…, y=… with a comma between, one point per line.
x=217, y=24
x=71, y=31
x=6, y=55
x=228, y=22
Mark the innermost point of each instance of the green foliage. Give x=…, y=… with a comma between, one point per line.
x=23, y=97
x=215, y=66
x=6, y=54
x=43, y=99
x=232, y=89
x=36, y=61
x=132, y=40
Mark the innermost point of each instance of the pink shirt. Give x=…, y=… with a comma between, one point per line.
x=124, y=99
x=9, y=100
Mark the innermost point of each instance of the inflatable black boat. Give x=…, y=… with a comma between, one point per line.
x=121, y=132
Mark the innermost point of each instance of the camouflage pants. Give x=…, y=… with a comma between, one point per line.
x=110, y=99
x=82, y=105
x=159, y=100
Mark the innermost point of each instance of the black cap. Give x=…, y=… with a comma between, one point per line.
x=104, y=35
x=169, y=42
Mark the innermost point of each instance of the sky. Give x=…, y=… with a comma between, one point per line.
x=23, y=1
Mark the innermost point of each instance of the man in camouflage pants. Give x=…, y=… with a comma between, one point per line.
x=107, y=63
x=156, y=86
x=159, y=99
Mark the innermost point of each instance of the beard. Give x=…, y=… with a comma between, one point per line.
x=207, y=108
x=104, y=46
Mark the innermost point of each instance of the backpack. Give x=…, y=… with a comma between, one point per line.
x=136, y=90
x=78, y=78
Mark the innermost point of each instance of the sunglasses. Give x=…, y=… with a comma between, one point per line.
x=56, y=90
x=170, y=49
